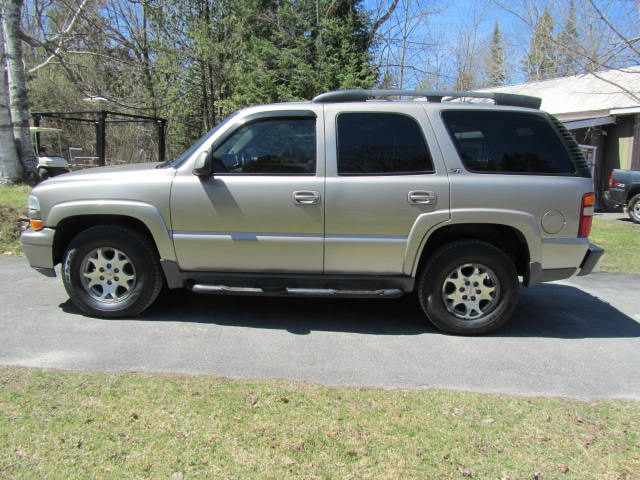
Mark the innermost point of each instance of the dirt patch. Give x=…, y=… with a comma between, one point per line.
x=12, y=222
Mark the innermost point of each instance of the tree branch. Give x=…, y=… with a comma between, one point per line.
x=614, y=29
x=55, y=53
x=382, y=19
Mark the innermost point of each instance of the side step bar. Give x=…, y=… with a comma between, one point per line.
x=296, y=292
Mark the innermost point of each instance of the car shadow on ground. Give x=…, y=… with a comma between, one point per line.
x=547, y=310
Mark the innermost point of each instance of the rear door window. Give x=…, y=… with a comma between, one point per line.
x=373, y=143
x=507, y=142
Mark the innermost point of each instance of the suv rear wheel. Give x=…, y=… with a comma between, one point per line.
x=469, y=287
x=111, y=271
x=634, y=208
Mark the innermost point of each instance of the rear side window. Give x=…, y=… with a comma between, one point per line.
x=381, y=144
x=507, y=142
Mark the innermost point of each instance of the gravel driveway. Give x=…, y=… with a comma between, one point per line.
x=579, y=338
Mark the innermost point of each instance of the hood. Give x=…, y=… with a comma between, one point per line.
x=106, y=173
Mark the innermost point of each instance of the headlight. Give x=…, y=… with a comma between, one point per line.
x=34, y=205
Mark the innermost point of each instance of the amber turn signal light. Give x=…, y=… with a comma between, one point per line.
x=589, y=199
x=35, y=224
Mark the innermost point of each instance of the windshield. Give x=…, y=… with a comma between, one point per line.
x=187, y=153
x=47, y=144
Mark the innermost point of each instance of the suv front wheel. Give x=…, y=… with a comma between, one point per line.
x=469, y=287
x=111, y=271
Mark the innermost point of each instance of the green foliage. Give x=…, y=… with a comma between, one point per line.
x=196, y=61
x=541, y=62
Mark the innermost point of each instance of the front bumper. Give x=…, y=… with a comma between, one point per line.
x=38, y=248
x=590, y=260
x=615, y=197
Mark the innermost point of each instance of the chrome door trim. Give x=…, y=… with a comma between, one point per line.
x=306, y=197
x=422, y=197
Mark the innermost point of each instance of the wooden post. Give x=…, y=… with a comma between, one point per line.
x=36, y=123
x=101, y=136
x=162, y=130
x=634, y=164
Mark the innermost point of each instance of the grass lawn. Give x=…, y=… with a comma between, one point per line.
x=14, y=196
x=621, y=241
x=79, y=425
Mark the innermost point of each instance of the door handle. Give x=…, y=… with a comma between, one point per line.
x=306, y=197
x=422, y=197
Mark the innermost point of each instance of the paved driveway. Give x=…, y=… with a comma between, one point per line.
x=579, y=339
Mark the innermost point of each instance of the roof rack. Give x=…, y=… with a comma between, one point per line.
x=360, y=95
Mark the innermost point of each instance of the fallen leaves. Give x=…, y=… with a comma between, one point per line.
x=21, y=453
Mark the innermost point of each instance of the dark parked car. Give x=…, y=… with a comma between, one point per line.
x=624, y=190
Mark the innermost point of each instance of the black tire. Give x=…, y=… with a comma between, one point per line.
x=141, y=253
x=448, y=258
x=633, y=208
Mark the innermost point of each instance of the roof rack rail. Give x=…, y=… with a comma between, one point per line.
x=360, y=95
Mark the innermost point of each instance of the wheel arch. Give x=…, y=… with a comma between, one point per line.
x=633, y=191
x=507, y=238
x=70, y=219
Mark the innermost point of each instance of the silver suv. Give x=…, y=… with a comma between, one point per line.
x=349, y=195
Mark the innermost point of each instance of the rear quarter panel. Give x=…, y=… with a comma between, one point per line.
x=519, y=201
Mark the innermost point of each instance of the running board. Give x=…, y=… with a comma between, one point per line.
x=296, y=292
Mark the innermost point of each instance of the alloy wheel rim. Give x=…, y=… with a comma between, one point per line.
x=108, y=275
x=636, y=209
x=471, y=291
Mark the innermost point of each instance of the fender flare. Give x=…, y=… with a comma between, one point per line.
x=141, y=211
x=522, y=222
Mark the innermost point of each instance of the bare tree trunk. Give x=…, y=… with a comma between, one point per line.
x=405, y=39
x=10, y=171
x=146, y=64
x=18, y=87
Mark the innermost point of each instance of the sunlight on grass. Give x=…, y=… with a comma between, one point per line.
x=78, y=425
x=621, y=242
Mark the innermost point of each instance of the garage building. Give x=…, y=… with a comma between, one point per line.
x=601, y=109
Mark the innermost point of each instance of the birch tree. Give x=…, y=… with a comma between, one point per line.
x=10, y=171
x=18, y=86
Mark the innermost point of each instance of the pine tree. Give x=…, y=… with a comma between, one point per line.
x=495, y=71
x=540, y=63
x=568, y=43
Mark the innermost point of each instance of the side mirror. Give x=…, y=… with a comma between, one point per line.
x=202, y=167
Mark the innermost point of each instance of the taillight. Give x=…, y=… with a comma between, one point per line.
x=586, y=214
x=613, y=183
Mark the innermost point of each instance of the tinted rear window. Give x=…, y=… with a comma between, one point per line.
x=381, y=144
x=507, y=142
